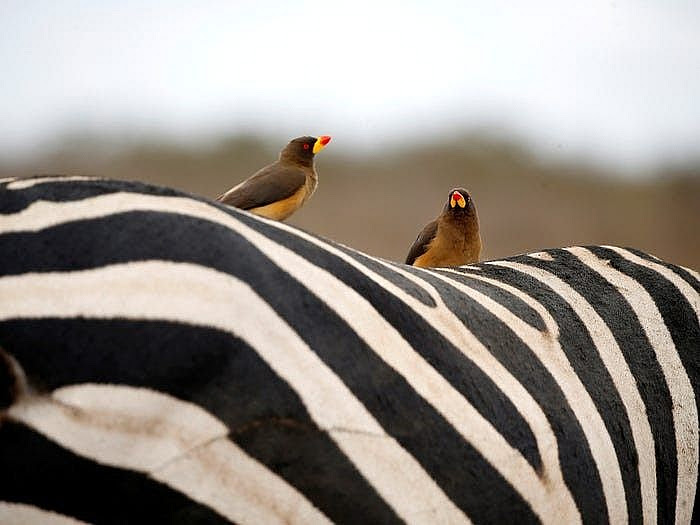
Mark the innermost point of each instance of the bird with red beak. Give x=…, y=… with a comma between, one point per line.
x=281, y=188
x=452, y=239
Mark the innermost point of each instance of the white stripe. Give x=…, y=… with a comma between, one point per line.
x=545, y=345
x=685, y=413
x=625, y=383
x=692, y=272
x=546, y=492
x=98, y=212
x=543, y=256
x=686, y=290
x=173, y=441
x=132, y=428
x=388, y=343
x=681, y=284
x=22, y=514
x=197, y=295
x=549, y=495
x=21, y=184
x=222, y=476
x=45, y=214
x=379, y=334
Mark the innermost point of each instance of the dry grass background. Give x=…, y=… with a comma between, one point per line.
x=378, y=202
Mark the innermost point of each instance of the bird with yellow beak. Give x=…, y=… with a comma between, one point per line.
x=281, y=188
x=452, y=239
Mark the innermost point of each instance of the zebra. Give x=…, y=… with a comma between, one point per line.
x=166, y=358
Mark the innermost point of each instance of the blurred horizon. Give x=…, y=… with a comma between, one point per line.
x=83, y=143
x=103, y=144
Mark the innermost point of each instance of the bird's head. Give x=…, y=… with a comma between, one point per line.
x=303, y=149
x=459, y=201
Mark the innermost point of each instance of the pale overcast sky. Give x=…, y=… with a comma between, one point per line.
x=617, y=80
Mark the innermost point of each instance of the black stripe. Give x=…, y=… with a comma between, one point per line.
x=638, y=372
x=9, y=382
x=577, y=345
x=678, y=270
x=393, y=277
x=14, y=201
x=678, y=314
x=54, y=249
x=447, y=359
x=481, y=491
x=578, y=466
x=214, y=370
x=517, y=306
x=618, y=315
x=39, y=472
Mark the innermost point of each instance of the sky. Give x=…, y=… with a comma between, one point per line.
x=614, y=81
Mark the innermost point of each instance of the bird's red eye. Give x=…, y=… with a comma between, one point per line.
x=306, y=146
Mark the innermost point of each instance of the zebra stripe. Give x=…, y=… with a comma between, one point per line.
x=39, y=472
x=685, y=413
x=548, y=350
x=548, y=475
x=120, y=203
x=622, y=320
x=683, y=286
x=19, y=514
x=174, y=442
x=394, y=350
x=621, y=375
x=21, y=184
x=508, y=346
x=171, y=288
x=233, y=368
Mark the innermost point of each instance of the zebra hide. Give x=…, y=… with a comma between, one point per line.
x=167, y=359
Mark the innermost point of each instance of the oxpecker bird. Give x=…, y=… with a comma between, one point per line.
x=452, y=239
x=281, y=188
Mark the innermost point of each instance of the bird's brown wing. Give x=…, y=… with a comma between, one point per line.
x=420, y=245
x=271, y=184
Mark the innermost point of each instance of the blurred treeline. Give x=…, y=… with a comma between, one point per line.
x=377, y=202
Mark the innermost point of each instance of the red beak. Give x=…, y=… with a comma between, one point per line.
x=457, y=196
x=324, y=139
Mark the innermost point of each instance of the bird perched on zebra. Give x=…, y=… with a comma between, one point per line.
x=452, y=239
x=167, y=359
x=281, y=188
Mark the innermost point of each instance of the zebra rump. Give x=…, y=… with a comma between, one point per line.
x=166, y=358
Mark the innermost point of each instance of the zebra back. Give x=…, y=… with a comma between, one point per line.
x=167, y=358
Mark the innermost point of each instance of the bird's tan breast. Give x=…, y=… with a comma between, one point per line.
x=451, y=247
x=282, y=209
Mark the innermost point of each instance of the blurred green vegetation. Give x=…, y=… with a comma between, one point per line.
x=377, y=202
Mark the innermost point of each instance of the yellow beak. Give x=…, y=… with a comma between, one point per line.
x=321, y=143
x=457, y=199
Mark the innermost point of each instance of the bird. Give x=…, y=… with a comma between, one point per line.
x=452, y=239
x=281, y=188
